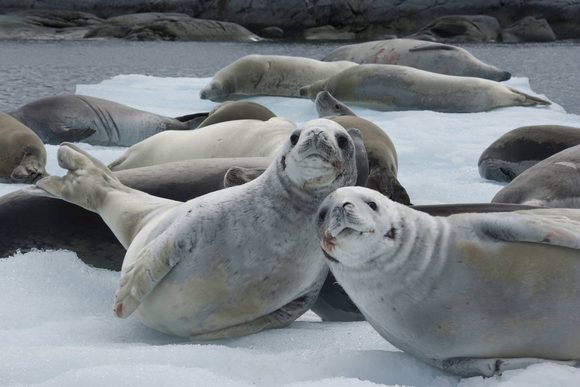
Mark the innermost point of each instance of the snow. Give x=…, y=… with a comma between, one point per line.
x=56, y=323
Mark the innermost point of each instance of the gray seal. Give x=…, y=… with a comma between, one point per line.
x=521, y=148
x=553, y=182
x=464, y=293
x=93, y=120
x=393, y=87
x=185, y=272
x=33, y=220
x=273, y=75
x=429, y=56
x=22, y=154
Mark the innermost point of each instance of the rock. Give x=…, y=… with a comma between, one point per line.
x=169, y=26
x=461, y=28
x=46, y=25
x=328, y=33
x=272, y=32
x=529, y=29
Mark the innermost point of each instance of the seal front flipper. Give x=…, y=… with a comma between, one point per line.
x=193, y=120
x=553, y=227
x=468, y=367
x=239, y=175
x=69, y=134
x=432, y=47
x=153, y=263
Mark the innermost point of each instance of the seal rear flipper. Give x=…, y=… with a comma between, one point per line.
x=153, y=263
x=383, y=181
x=529, y=100
x=193, y=120
x=278, y=319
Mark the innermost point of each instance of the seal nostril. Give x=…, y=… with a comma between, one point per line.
x=346, y=204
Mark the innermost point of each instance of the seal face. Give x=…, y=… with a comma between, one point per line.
x=228, y=263
x=464, y=293
x=22, y=154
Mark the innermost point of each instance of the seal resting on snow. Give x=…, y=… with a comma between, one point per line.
x=429, y=56
x=274, y=75
x=94, y=121
x=473, y=294
x=229, y=263
x=392, y=87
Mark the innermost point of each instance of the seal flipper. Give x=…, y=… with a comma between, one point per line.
x=193, y=120
x=529, y=100
x=553, y=227
x=468, y=367
x=153, y=263
x=239, y=175
x=69, y=134
x=277, y=319
x=432, y=47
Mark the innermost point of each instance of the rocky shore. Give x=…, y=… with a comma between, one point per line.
x=247, y=20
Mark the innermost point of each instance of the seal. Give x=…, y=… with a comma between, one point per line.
x=22, y=154
x=333, y=304
x=521, y=148
x=382, y=155
x=393, y=87
x=93, y=120
x=272, y=75
x=553, y=182
x=238, y=138
x=464, y=293
x=429, y=56
x=33, y=220
x=217, y=266
x=237, y=110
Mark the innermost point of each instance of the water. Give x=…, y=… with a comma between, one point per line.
x=34, y=69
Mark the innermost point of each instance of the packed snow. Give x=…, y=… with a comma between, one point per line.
x=57, y=327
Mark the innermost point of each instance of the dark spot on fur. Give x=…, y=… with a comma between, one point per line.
x=392, y=233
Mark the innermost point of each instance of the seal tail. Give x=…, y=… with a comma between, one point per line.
x=529, y=100
x=193, y=120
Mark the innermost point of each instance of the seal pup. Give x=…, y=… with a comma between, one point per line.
x=238, y=138
x=521, y=148
x=80, y=118
x=382, y=155
x=22, y=154
x=429, y=56
x=229, y=263
x=333, y=304
x=553, y=182
x=464, y=293
x=237, y=110
x=273, y=75
x=393, y=87
x=33, y=220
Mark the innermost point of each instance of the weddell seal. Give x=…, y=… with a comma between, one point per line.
x=238, y=138
x=80, y=118
x=553, y=182
x=521, y=148
x=22, y=154
x=473, y=294
x=229, y=263
x=273, y=75
x=392, y=87
x=429, y=56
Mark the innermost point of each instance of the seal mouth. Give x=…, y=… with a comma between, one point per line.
x=329, y=257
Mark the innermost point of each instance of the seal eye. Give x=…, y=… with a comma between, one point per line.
x=322, y=215
x=372, y=205
x=342, y=141
x=294, y=138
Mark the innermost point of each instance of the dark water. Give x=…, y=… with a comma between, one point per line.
x=30, y=70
